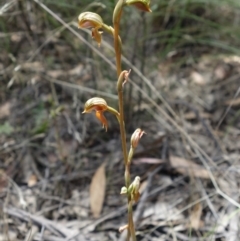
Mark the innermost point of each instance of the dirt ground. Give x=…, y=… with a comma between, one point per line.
x=61, y=173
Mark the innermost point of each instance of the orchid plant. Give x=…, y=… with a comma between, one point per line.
x=99, y=105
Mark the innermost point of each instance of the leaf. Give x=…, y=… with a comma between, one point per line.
x=197, y=78
x=3, y=181
x=97, y=191
x=40, y=118
x=234, y=102
x=195, y=217
x=33, y=66
x=6, y=128
x=41, y=128
x=32, y=180
x=5, y=110
x=143, y=187
x=187, y=167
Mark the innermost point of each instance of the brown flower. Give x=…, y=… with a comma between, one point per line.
x=89, y=20
x=94, y=21
x=99, y=105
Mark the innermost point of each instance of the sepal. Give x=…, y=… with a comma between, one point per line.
x=140, y=4
x=90, y=20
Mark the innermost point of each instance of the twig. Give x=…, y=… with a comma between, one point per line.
x=53, y=227
x=22, y=201
x=208, y=201
x=81, y=88
x=227, y=110
x=31, y=233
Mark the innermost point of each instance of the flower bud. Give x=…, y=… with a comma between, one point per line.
x=134, y=189
x=122, y=228
x=123, y=190
x=122, y=79
x=136, y=137
x=136, y=184
x=89, y=20
x=126, y=75
x=140, y=4
x=117, y=11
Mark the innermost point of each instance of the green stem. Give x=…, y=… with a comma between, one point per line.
x=118, y=49
x=116, y=21
x=130, y=221
x=122, y=127
x=114, y=112
x=127, y=176
x=130, y=154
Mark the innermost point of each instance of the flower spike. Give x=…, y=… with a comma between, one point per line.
x=140, y=4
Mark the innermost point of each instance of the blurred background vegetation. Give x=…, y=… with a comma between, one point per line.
x=182, y=26
x=181, y=31
x=175, y=35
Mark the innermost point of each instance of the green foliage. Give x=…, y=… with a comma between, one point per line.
x=192, y=24
x=184, y=25
x=6, y=128
x=41, y=120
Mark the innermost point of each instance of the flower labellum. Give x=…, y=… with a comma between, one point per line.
x=136, y=136
x=140, y=4
x=99, y=105
x=97, y=35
